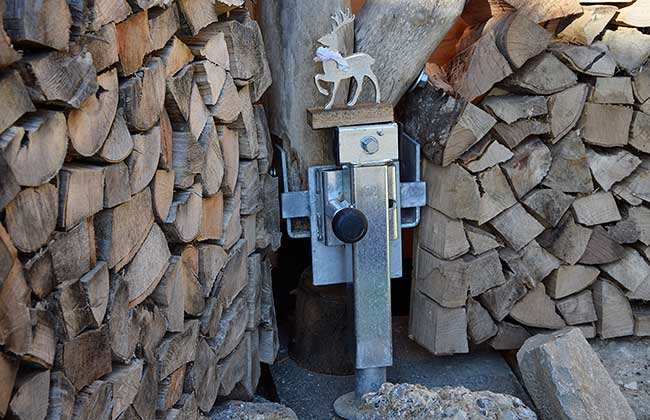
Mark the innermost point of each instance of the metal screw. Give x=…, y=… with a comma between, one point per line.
x=380, y=133
x=370, y=145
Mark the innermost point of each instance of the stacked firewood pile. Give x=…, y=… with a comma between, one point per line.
x=138, y=213
x=537, y=135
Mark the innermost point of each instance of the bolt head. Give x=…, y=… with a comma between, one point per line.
x=370, y=145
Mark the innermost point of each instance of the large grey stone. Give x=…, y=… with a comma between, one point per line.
x=404, y=401
x=238, y=410
x=567, y=381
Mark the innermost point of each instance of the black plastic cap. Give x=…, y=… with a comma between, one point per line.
x=350, y=225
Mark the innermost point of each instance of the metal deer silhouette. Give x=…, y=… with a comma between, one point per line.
x=338, y=68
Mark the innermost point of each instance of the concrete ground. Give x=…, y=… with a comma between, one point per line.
x=311, y=395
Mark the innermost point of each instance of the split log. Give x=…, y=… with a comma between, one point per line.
x=519, y=39
x=480, y=241
x=92, y=345
x=170, y=389
x=249, y=232
x=204, y=376
x=211, y=317
x=31, y=217
x=578, y=309
x=634, y=189
x=25, y=23
x=15, y=318
x=8, y=254
x=9, y=187
x=126, y=382
x=210, y=79
x=189, y=157
x=211, y=175
x=466, y=75
x=595, y=209
x=528, y=167
x=640, y=132
x=230, y=151
x=89, y=126
x=163, y=24
x=565, y=109
x=212, y=259
x=184, y=103
x=265, y=156
x=27, y=402
x=134, y=42
x=536, y=309
x=73, y=253
x=517, y=226
x=451, y=190
x=245, y=126
x=224, y=6
x=615, y=317
x=211, y=218
x=168, y=295
x=630, y=271
x=42, y=347
x=228, y=106
x=142, y=96
x=8, y=372
x=144, y=404
x=234, y=368
x=8, y=55
x=210, y=44
x=610, y=167
x=235, y=274
x=569, y=171
x=532, y=263
x=595, y=60
x=59, y=78
x=81, y=193
x=184, y=218
x=103, y=46
x=232, y=327
x=548, y=205
x=175, y=55
x=601, y=249
x=613, y=90
x=232, y=228
x=635, y=227
x=253, y=291
x=585, y=28
x=269, y=232
x=500, y=300
x=96, y=287
x=496, y=194
x=447, y=240
x=439, y=330
x=45, y=133
x=193, y=300
x=119, y=144
x=629, y=46
x=471, y=127
x=542, y=75
x=197, y=14
x=569, y=241
x=570, y=279
x=143, y=161
x=121, y=230
x=147, y=267
x=117, y=189
x=151, y=324
x=249, y=182
x=480, y=326
x=510, y=337
x=39, y=272
x=166, y=160
x=540, y=11
x=512, y=135
x=94, y=401
x=442, y=281
x=511, y=108
x=641, y=85
x=17, y=97
x=614, y=133
x=635, y=14
x=178, y=349
x=73, y=306
x=106, y=11
x=162, y=193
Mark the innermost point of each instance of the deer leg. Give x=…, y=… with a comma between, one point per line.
x=333, y=97
x=317, y=79
x=357, y=91
x=375, y=83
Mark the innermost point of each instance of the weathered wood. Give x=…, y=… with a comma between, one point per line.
x=235, y=274
x=212, y=259
x=446, y=238
x=15, y=319
x=27, y=402
x=528, y=167
x=232, y=327
x=640, y=132
x=212, y=173
x=94, y=401
x=134, y=42
x=634, y=189
x=341, y=115
x=641, y=85
x=230, y=151
x=87, y=357
x=635, y=14
x=451, y=190
x=494, y=154
x=629, y=47
x=166, y=142
x=211, y=218
x=197, y=14
x=641, y=320
x=542, y=75
x=467, y=73
x=518, y=37
x=144, y=405
x=184, y=218
x=570, y=279
x=39, y=272
x=175, y=55
x=168, y=295
x=210, y=79
x=73, y=253
x=595, y=209
x=45, y=133
x=595, y=60
x=613, y=90
x=610, y=167
x=184, y=103
x=81, y=193
x=188, y=158
x=89, y=126
x=601, y=249
x=512, y=135
x=578, y=309
x=635, y=227
x=170, y=389
x=532, y=263
x=163, y=24
x=615, y=317
x=73, y=306
x=192, y=290
x=59, y=78
x=118, y=144
x=96, y=287
x=122, y=329
x=496, y=194
x=548, y=205
x=565, y=109
x=8, y=254
x=480, y=326
x=121, y=230
x=9, y=187
x=105, y=11
x=7, y=53
x=440, y=280
x=103, y=46
x=31, y=217
x=126, y=382
x=17, y=99
x=569, y=171
x=42, y=346
x=204, y=376
x=232, y=227
x=61, y=398
x=142, y=96
x=510, y=337
x=500, y=300
x=471, y=127
x=178, y=349
x=536, y=309
x=117, y=189
x=480, y=240
x=162, y=193
x=517, y=226
x=25, y=23
x=511, y=108
x=210, y=44
x=143, y=161
x=615, y=132
x=540, y=11
x=585, y=28
x=147, y=267
x=630, y=271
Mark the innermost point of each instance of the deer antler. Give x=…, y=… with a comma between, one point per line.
x=341, y=18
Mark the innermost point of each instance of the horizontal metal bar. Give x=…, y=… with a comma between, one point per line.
x=413, y=194
x=295, y=204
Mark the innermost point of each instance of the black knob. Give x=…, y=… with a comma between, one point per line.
x=350, y=225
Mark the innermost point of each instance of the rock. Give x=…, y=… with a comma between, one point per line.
x=566, y=379
x=238, y=410
x=404, y=401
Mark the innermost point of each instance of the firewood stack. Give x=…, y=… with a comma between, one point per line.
x=138, y=212
x=537, y=138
